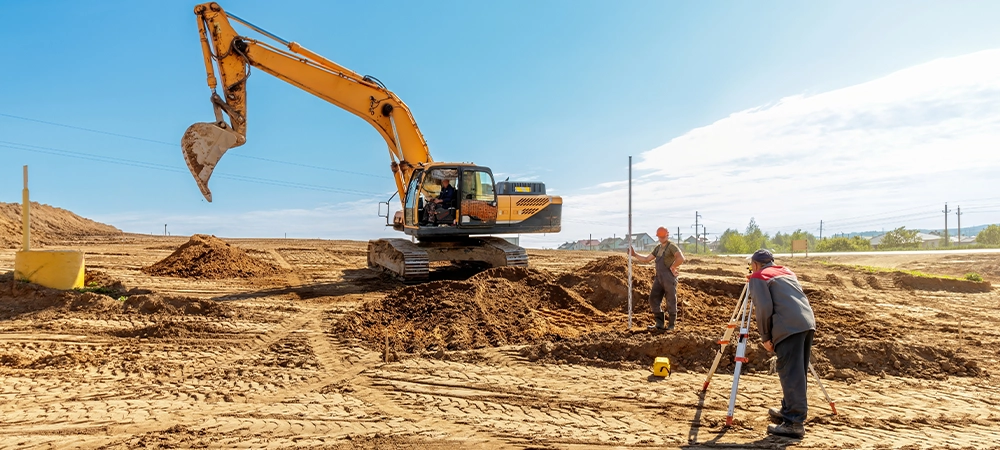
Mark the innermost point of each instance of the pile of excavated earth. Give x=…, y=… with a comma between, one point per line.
x=209, y=257
x=580, y=317
x=48, y=225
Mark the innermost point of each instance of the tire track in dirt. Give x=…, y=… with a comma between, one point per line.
x=344, y=364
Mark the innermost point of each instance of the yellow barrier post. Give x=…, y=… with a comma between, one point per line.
x=56, y=269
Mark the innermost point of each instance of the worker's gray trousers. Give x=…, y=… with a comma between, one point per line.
x=793, y=371
x=664, y=286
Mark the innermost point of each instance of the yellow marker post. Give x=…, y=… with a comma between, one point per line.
x=25, y=215
x=56, y=269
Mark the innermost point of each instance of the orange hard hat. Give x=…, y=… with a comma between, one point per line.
x=661, y=232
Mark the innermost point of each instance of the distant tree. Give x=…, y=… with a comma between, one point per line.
x=990, y=236
x=781, y=242
x=901, y=238
x=732, y=241
x=843, y=244
x=799, y=235
x=754, y=237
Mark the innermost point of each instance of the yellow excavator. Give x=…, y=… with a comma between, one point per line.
x=451, y=210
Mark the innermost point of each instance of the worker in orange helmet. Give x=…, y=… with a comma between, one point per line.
x=668, y=258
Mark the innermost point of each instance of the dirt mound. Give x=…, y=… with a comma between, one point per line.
x=500, y=306
x=874, y=282
x=846, y=359
x=834, y=280
x=604, y=283
x=694, y=351
x=687, y=351
x=172, y=329
x=156, y=304
x=206, y=256
x=907, y=281
x=49, y=225
x=102, y=283
x=18, y=298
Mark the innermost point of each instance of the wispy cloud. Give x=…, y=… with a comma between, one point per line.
x=920, y=136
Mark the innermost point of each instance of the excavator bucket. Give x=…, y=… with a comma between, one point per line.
x=203, y=144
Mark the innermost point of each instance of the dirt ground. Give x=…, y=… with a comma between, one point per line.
x=316, y=351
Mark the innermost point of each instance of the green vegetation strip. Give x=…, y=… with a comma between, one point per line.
x=916, y=273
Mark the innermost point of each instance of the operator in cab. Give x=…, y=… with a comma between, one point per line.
x=438, y=209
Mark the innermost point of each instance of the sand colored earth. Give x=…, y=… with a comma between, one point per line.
x=536, y=357
x=49, y=225
x=210, y=257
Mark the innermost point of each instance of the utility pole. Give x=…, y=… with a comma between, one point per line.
x=959, y=214
x=164, y=229
x=696, y=216
x=591, y=241
x=705, y=235
x=946, y=223
x=678, y=236
x=821, y=230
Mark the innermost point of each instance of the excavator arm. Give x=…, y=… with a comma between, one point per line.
x=234, y=56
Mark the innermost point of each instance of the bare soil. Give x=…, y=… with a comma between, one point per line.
x=211, y=354
x=49, y=225
x=210, y=257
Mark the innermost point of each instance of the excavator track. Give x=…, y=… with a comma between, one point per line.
x=410, y=262
x=400, y=258
x=514, y=255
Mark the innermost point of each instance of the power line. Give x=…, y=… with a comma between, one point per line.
x=166, y=168
x=175, y=145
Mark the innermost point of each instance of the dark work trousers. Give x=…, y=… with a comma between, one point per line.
x=793, y=371
x=664, y=285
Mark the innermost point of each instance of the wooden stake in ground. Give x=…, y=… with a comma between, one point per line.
x=385, y=357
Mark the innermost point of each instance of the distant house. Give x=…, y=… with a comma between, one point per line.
x=612, y=244
x=643, y=242
x=927, y=240
x=587, y=244
x=567, y=246
x=966, y=240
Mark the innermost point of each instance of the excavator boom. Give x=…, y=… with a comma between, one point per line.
x=456, y=227
x=234, y=55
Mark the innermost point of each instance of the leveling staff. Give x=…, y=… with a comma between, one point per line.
x=786, y=324
x=668, y=258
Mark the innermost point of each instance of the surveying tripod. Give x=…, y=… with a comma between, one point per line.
x=741, y=318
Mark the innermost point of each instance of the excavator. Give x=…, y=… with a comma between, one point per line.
x=451, y=211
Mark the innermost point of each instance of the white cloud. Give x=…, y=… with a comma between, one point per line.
x=918, y=137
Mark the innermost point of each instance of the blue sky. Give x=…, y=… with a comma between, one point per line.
x=710, y=98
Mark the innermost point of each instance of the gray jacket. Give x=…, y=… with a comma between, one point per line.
x=782, y=307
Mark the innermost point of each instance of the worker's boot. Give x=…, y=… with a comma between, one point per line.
x=672, y=321
x=658, y=317
x=787, y=429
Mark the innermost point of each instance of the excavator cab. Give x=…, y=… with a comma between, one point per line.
x=431, y=211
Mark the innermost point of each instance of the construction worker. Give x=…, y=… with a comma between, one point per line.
x=786, y=324
x=668, y=258
x=438, y=209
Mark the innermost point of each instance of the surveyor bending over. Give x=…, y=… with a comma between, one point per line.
x=668, y=258
x=786, y=324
